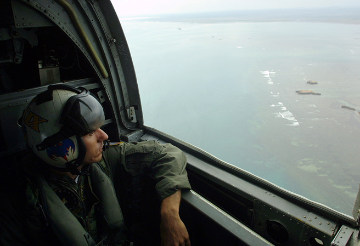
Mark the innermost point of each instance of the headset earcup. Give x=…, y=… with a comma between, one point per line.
x=82, y=149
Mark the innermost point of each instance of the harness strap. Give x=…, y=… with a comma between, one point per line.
x=64, y=224
x=103, y=188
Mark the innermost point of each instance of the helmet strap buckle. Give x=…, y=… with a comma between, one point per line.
x=72, y=166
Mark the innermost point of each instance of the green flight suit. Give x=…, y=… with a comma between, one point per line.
x=143, y=174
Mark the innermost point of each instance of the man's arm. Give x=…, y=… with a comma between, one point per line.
x=172, y=229
x=166, y=164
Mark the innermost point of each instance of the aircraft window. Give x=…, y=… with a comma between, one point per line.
x=274, y=92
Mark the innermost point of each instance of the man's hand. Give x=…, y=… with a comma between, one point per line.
x=172, y=229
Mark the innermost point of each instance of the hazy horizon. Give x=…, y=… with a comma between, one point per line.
x=140, y=7
x=329, y=14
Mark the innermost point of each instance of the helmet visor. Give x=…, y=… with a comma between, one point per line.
x=84, y=115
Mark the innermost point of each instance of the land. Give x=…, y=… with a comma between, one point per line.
x=309, y=92
x=350, y=108
x=311, y=82
x=325, y=15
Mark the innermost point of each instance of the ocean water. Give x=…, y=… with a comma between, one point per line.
x=230, y=89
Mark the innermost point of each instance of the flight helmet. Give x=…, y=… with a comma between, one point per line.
x=55, y=121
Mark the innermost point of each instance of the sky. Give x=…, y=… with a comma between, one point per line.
x=153, y=7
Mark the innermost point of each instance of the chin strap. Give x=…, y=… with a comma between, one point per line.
x=72, y=166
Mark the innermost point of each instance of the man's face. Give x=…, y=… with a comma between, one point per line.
x=94, y=146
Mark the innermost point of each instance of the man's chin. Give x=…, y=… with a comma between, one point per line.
x=98, y=158
x=93, y=160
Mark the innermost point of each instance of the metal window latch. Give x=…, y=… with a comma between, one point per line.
x=131, y=114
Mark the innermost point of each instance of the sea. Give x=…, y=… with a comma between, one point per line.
x=230, y=88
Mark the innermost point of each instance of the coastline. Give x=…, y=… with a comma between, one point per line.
x=334, y=15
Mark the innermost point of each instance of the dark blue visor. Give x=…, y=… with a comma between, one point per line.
x=82, y=114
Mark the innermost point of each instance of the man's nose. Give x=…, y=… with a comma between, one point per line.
x=102, y=136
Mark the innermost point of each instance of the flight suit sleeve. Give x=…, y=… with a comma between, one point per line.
x=164, y=163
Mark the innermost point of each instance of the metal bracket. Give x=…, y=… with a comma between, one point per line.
x=17, y=53
x=101, y=96
x=131, y=114
x=342, y=237
x=356, y=209
x=133, y=136
x=15, y=44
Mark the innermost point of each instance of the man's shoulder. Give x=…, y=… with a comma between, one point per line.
x=128, y=148
x=123, y=152
x=112, y=151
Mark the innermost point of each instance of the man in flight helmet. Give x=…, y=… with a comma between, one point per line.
x=55, y=123
x=73, y=185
